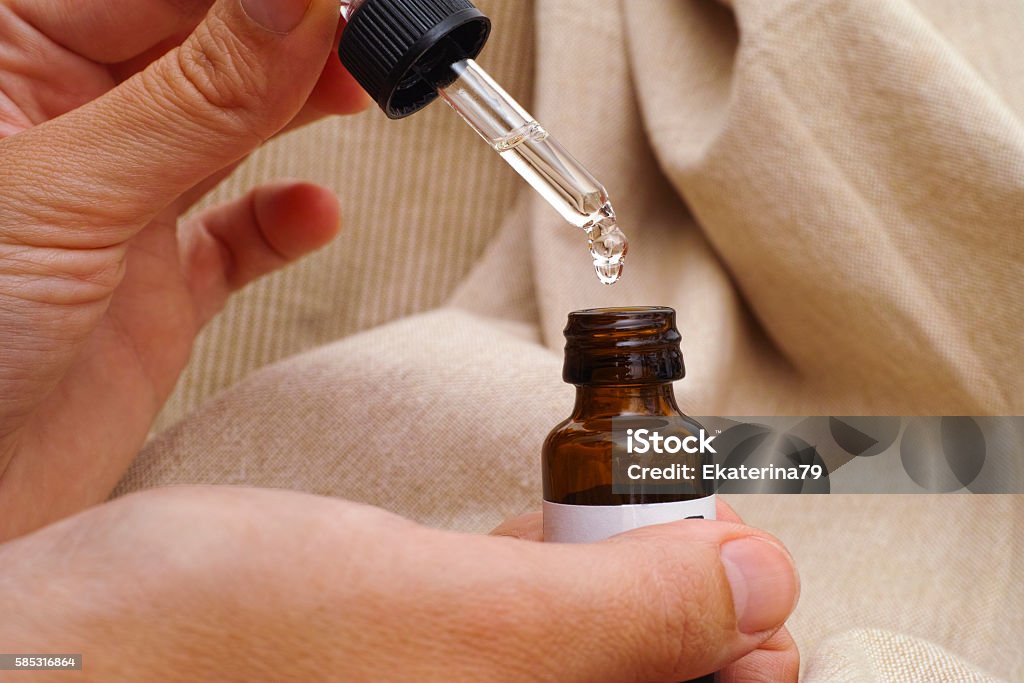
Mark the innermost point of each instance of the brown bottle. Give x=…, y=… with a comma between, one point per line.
x=623, y=362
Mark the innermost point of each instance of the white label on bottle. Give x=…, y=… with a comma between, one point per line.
x=591, y=523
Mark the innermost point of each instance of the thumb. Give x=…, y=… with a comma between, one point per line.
x=238, y=79
x=666, y=603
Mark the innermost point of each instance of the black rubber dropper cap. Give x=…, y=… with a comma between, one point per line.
x=400, y=51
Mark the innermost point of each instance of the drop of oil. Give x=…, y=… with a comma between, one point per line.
x=608, y=273
x=608, y=246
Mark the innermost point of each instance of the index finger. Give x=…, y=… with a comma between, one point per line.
x=127, y=35
x=111, y=31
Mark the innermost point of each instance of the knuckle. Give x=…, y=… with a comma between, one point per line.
x=680, y=623
x=215, y=71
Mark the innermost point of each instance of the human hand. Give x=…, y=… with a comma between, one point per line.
x=214, y=584
x=115, y=117
x=775, y=660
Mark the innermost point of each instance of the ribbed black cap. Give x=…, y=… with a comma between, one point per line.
x=614, y=346
x=400, y=50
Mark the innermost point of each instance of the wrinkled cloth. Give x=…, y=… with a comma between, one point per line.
x=830, y=193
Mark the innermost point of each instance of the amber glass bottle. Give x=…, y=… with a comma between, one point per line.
x=623, y=362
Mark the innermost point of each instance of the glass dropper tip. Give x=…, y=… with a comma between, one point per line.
x=541, y=160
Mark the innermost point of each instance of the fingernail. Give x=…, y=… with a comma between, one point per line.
x=763, y=580
x=277, y=16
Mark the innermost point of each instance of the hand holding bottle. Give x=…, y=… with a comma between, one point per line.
x=776, y=659
x=215, y=584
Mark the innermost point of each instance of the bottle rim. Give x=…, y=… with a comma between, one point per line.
x=619, y=346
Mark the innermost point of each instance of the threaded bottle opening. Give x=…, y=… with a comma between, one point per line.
x=616, y=346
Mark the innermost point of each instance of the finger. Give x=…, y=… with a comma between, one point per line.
x=682, y=600
x=336, y=92
x=137, y=32
x=229, y=246
x=128, y=27
x=724, y=511
x=241, y=77
x=530, y=527
x=776, y=661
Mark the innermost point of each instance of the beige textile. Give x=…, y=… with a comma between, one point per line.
x=831, y=194
x=874, y=656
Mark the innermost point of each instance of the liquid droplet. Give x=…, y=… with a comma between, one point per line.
x=609, y=247
x=608, y=273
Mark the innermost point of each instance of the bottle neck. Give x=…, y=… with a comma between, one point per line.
x=633, y=399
